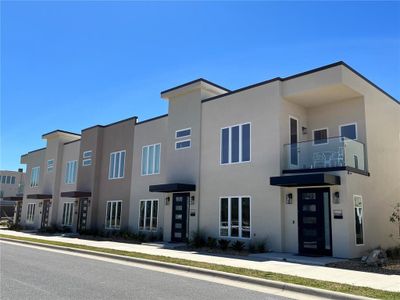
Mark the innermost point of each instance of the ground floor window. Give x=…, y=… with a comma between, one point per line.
x=113, y=214
x=67, y=214
x=30, y=214
x=235, y=216
x=359, y=219
x=148, y=219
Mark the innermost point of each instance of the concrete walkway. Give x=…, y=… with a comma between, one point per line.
x=268, y=262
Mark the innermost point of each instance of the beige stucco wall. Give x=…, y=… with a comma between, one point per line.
x=8, y=189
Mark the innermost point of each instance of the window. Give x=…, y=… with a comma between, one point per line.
x=117, y=165
x=30, y=213
x=70, y=172
x=235, y=217
x=113, y=214
x=151, y=159
x=359, y=219
x=87, y=162
x=348, y=130
x=87, y=154
x=235, y=144
x=183, y=133
x=67, y=214
x=8, y=180
x=12, y=179
x=320, y=136
x=50, y=165
x=183, y=144
x=3, y=179
x=35, y=176
x=87, y=158
x=148, y=218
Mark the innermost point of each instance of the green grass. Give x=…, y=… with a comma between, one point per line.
x=327, y=285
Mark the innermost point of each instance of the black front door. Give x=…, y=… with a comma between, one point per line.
x=179, y=216
x=314, y=221
x=82, y=214
x=45, y=214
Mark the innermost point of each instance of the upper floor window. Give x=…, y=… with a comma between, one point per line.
x=12, y=179
x=183, y=133
x=183, y=144
x=70, y=172
x=235, y=144
x=348, y=130
x=87, y=158
x=117, y=165
x=50, y=165
x=3, y=179
x=151, y=159
x=87, y=154
x=8, y=180
x=320, y=136
x=35, y=176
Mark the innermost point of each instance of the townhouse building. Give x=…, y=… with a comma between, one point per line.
x=11, y=192
x=309, y=164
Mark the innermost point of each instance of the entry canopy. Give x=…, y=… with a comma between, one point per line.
x=13, y=198
x=305, y=180
x=172, y=187
x=40, y=196
x=76, y=194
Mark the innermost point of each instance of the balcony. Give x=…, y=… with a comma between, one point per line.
x=337, y=153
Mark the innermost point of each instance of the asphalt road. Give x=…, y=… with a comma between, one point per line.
x=29, y=273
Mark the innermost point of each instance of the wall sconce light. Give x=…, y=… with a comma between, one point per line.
x=167, y=200
x=304, y=130
x=336, y=197
x=40, y=204
x=192, y=200
x=289, y=198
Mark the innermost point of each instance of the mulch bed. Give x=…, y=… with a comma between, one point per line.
x=392, y=267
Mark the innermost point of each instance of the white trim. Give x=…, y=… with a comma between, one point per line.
x=71, y=171
x=182, y=141
x=147, y=160
x=151, y=215
x=327, y=136
x=115, y=169
x=230, y=144
x=85, y=154
x=347, y=124
x=185, y=136
x=117, y=227
x=86, y=162
x=229, y=218
x=363, y=224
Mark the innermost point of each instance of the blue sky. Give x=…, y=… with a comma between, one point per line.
x=71, y=65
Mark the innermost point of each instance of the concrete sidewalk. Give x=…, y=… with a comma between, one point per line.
x=263, y=262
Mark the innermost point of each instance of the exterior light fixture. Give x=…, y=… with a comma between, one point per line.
x=289, y=198
x=336, y=198
x=192, y=200
x=167, y=200
x=304, y=130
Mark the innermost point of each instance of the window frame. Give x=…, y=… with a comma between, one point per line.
x=184, y=136
x=363, y=220
x=327, y=136
x=348, y=124
x=230, y=144
x=229, y=227
x=30, y=213
x=87, y=154
x=147, y=160
x=34, y=182
x=151, y=215
x=182, y=141
x=70, y=217
x=50, y=167
x=71, y=178
x=114, y=227
x=13, y=180
x=114, y=167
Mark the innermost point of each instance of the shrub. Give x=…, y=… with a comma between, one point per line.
x=238, y=246
x=223, y=244
x=252, y=248
x=393, y=252
x=197, y=240
x=261, y=247
x=211, y=242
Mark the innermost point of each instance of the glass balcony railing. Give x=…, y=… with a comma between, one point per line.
x=327, y=153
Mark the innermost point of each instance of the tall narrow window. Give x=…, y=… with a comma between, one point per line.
x=117, y=165
x=294, y=139
x=50, y=165
x=67, y=214
x=30, y=213
x=35, y=176
x=235, y=144
x=70, y=172
x=148, y=215
x=235, y=220
x=113, y=214
x=359, y=219
x=151, y=159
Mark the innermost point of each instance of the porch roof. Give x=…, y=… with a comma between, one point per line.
x=172, y=187
x=76, y=194
x=13, y=198
x=39, y=196
x=305, y=180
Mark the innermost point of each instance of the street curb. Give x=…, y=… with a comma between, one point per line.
x=326, y=294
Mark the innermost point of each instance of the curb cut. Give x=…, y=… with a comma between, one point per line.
x=326, y=294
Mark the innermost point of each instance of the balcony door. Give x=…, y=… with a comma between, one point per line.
x=293, y=141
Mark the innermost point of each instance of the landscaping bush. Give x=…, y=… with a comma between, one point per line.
x=197, y=240
x=261, y=247
x=393, y=252
x=223, y=244
x=238, y=246
x=252, y=248
x=211, y=242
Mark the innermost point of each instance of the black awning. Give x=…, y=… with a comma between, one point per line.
x=40, y=196
x=305, y=180
x=13, y=198
x=76, y=194
x=172, y=187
